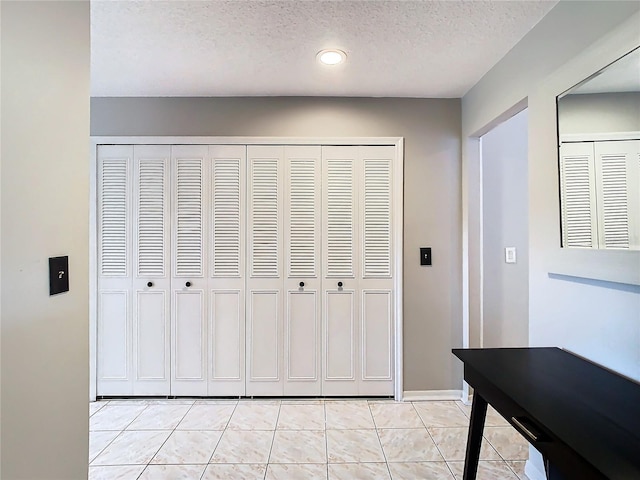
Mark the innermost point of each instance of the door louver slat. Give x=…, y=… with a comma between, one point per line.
x=615, y=208
x=113, y=217
x=340, y=218
x=377, y=218
x=577, y=217
x=151, y=218
x=302, y=215
x=264, y=217
x=226, y=218
x=189, y=217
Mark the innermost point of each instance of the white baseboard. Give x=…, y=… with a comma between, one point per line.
x=531, y=470
x=417, y=395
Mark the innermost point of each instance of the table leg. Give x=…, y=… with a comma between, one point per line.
x=474, y=440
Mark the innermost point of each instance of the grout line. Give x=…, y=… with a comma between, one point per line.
x=434, y=443
x=166, y=439
x=386, y=463
x=224, y=430
x=273, y=441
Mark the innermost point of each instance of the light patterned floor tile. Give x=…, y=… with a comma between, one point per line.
x=359, y=471
x=452, y=443
x=302, y=401
x=254, y=417
x=216, y=401
x=297, y=471
x=172, y=401
x=301, y=417
x=395, y=415
x=487, y=470
x=348, y=415
x=119, y=472
x=259, y=401
x=234, y=472
x=207, y=417
x=99, y=440
x=441, y=414
x=132, y=448
x=353, y=446
x=159, y=417
x=509, y=444
x=518, y=468
x=129, y=402
x=494, y=419
x=409, y=445
x=420, y=470
x=115, y=417
x=172, y=472
x=464, y=408
x=95, y=406
x=299, y=446
x=188, y=447
x=243, y=446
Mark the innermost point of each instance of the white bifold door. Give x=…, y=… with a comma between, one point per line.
x=232, y=270
x=134, y=282
x=208, y=336
x=600, y=185
x=171, y=277
x=357, y=283
x=283, y=282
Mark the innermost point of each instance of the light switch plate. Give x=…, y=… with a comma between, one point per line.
x=510, y=254
x=58, y=275
x=425, y=256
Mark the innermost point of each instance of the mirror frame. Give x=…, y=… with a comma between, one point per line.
x=618, y=266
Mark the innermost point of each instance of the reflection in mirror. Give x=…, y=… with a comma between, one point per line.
x=599, y=152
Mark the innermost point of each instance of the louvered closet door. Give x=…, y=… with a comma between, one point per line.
x=340, y=309
x=189, y=283
x=375, y=165
x=616, y=173
x=265, y=277
x=302, y=284
x=114, y=333
x=152, y=281
x=357, y=270
x=226, y=221
x=578, y=187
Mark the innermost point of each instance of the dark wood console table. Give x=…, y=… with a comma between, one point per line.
x=582, y=418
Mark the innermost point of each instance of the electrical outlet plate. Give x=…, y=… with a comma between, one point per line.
x=510, y=254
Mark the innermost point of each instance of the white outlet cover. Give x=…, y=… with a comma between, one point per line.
x=510, y=254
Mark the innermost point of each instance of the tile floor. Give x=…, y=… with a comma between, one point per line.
x=294, y=439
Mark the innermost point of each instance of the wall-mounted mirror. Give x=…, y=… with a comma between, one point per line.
x=599, y=158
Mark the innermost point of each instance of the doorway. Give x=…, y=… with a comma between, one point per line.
x=504, y=234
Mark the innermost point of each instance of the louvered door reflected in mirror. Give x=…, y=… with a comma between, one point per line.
x=599, y=153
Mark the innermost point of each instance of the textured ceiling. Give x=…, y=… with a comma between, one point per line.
x=263, y=48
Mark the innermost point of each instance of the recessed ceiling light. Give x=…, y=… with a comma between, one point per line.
x=331, y=57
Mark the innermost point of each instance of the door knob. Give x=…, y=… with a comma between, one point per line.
x=149, y=284
x=301, y=284
x=188, y=284
x=339, y=284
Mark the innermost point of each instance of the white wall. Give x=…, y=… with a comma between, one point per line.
x=431, y=129
x=558, y=40
x=44, y=201
x=599, y=113
x=596, y=319
x=505, y=217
